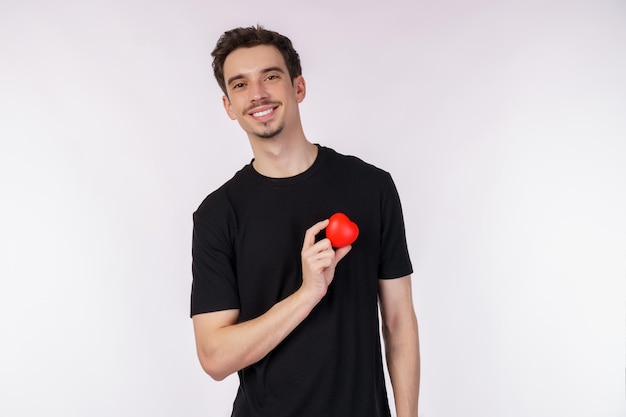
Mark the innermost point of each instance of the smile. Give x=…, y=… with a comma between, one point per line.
x=263, y=113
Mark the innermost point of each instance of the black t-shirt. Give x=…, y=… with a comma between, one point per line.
x=247, y=239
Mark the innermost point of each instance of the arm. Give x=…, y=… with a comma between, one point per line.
x=225, y=346
x=400, y=334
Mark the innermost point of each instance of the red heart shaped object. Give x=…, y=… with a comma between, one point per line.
x=341, y=230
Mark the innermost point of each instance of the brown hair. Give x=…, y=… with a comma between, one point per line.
x=249, y=37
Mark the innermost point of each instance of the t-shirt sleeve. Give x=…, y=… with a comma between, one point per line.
x=394, y=256
x=214, y=285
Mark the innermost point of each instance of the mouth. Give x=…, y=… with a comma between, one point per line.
x=263, y=113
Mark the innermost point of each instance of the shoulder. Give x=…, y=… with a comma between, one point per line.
x=220, y=200
x=354, y=166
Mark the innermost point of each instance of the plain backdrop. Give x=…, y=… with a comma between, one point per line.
x=502, y=123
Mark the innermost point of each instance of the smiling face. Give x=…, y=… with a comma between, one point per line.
x=261, y=94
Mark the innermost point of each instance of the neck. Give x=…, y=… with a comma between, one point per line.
x=277, y=158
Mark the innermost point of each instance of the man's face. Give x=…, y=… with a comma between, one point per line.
x=261, y=95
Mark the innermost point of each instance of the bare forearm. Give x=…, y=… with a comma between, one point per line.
x=403, y=361
x=236, y=346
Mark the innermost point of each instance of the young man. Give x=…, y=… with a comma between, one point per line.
x=271, y=298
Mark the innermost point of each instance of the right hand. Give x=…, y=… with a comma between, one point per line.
x=319, y=261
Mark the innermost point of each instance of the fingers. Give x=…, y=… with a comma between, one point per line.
x=309, y=236
x=312, y=251
x=341, y=252
x=321, y=254
x=319, y=261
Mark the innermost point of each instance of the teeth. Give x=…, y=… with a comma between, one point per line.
x=263, y=113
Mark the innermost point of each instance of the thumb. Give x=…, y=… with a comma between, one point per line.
x=341, y=252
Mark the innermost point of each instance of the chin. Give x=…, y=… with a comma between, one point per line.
x=269, y=134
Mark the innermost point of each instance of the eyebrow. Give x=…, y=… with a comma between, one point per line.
x=263, y=71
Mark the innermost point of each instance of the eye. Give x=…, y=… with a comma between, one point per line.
x=272, y=77
x=237, y=85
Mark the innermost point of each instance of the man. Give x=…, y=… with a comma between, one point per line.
x=271, y=298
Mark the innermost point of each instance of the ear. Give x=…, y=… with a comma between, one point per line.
x=300, y=87
x=228, y=107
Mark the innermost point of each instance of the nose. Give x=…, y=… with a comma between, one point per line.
x=257, y=91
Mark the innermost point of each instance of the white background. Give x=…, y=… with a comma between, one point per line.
x=501, y=122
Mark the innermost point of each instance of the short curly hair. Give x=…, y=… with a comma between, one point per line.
x=246, y=37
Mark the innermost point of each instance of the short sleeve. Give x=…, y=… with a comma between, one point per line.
x=214, y=285
x=394, y=259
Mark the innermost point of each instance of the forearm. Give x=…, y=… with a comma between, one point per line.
x=233, y=347
x=403, y=362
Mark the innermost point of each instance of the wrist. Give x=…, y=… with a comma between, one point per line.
x=310, y=295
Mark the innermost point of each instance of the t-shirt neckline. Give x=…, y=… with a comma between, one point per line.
x=287, y=181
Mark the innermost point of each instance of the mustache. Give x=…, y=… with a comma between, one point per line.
x=256, y=104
